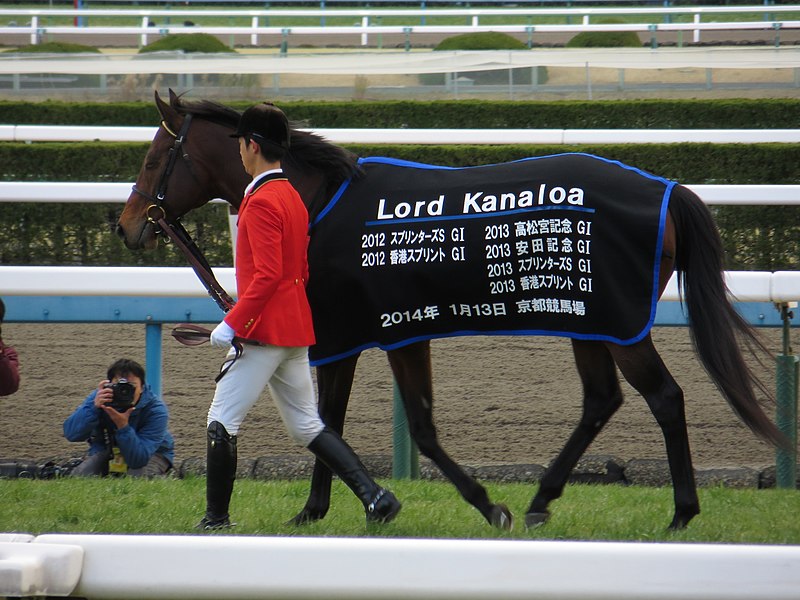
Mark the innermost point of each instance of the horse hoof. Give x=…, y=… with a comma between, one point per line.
x=535, y=519
x=501, y=517
x=304, y=517
x=682, y=518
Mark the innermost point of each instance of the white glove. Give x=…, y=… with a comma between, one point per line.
x=222, y=336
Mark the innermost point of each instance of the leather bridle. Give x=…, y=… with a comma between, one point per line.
x=174, y=153
x=173, y=229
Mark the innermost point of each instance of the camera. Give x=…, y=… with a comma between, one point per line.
x=122, y=399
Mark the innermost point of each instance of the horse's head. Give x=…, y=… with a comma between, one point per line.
x=193, y=160
x=190, y=162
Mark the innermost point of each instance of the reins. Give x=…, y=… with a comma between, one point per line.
x=189, y=334
x=174, y=230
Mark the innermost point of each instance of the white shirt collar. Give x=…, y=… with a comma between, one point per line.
x=259, y=176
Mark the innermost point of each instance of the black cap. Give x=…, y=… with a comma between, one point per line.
x=266, y=124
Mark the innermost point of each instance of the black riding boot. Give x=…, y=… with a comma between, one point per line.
x=220, y=475
x=380, y=504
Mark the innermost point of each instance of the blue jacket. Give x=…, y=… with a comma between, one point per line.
x=145, y=435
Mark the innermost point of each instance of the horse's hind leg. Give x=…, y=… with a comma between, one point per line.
x=411, y=366
x=334, y=383
x=642, y=366
x=601, y=399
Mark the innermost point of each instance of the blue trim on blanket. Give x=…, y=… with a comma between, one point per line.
x=416, y=165
x=669, y=187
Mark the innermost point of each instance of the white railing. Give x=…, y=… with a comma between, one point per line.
x=746, y=286
x=35, y=29
x=474, y=14
x=239, y=567
x=94, y=192
x=178, y=282
x=366, y=29
x=82, y=133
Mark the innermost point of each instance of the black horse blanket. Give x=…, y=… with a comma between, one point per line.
x=565, y=245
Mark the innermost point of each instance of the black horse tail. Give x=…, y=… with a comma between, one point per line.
x=716, y=327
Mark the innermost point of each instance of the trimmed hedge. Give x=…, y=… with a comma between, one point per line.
x=612, y=114
x=691, y=163
x=485, y=40
x=757, y=238
x=605, y=39
x=54, y=48
x=188, y=42
x=83, y=234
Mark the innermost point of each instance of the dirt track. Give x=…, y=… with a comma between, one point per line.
x=498, y=399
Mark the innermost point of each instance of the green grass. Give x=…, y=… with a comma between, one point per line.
x=431, y=510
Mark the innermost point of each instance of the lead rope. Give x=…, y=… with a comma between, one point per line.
x=198, y=263
x=190, y=334
x=187, y=333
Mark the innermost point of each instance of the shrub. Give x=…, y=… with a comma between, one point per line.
x=738, y=113
x=188, y=42
x=488, y=40
x=194, y=43
x=606, y=39
x=754, y=237
x=61, y=80
x=55, y=48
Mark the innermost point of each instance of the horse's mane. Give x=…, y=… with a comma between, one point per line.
x=207, y=109
x=318, y=153
x=307, y=149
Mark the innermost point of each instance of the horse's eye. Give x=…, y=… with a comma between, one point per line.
x=151, y=165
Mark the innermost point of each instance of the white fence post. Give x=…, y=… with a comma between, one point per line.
x=145, y=25
x=696, y=36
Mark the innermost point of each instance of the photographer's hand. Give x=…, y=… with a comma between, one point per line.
x=120, y=419
x=104, y=394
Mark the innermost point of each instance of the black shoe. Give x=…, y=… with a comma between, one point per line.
x=380, y=505
x=207, y=524
x=383, y=508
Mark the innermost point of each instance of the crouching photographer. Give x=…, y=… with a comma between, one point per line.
x=125, y=425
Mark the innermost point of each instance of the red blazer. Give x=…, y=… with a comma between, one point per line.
x=272, y=267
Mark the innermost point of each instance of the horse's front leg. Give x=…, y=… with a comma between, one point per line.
x=411, y=366
x=334, y=383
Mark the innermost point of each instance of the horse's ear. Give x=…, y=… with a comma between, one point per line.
x=173, y=97
x=162, y=106
x=167, y=112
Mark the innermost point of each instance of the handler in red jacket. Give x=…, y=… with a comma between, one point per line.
x=273, y=310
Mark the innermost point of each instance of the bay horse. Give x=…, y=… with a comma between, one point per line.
x=205, y=164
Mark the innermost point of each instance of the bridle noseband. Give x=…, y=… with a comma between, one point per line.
x=173, y=229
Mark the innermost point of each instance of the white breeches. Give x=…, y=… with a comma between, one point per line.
x=287, y=373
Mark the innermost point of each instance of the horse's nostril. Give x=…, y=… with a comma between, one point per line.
x=119, y=231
